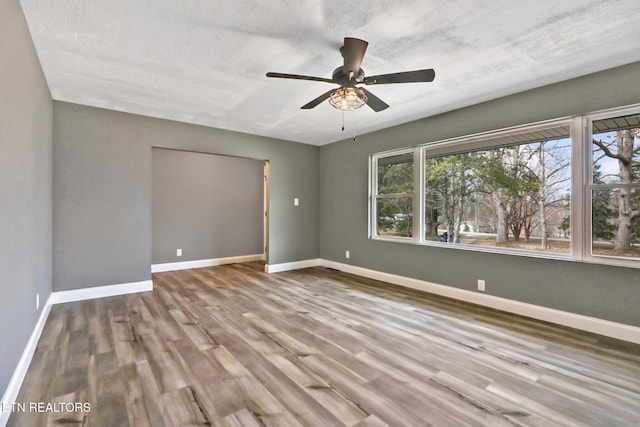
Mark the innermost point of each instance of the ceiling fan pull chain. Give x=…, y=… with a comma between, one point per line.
x=354, y=124
x=342, y=120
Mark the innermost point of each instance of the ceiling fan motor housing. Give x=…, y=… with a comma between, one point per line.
x=341, y=77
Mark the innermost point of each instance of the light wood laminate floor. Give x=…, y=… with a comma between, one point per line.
x=233, y=346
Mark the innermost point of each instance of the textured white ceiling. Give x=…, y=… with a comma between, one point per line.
x=204, y=62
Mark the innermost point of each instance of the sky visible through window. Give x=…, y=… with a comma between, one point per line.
x=512, y=191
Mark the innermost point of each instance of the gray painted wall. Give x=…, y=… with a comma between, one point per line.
x=25, y=187
x=207, y=205
x=605, y=292
x=102, y=191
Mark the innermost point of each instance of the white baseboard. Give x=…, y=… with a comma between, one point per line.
x=559, y=317
x=11, y=393
x=295, y=265
x=101, y=292
x=185, y=265
x=585, y=323
x=19, y=373
x=577, y=321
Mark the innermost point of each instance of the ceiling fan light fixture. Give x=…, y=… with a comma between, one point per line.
x=347, y=98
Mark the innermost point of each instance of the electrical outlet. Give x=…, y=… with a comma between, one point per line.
x=347, y=255
x=178, y=252
x=481, y=285
x=296, y=201
x=37, y=301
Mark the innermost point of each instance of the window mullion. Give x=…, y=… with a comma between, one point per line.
x=373, y=190
x=418, y=189
x=477, y=182
x=613, y=186
x=580, y=206
x=393, y=195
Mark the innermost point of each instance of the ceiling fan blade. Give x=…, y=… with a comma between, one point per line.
x=353, y=51
x=299, y=77
x=317, y=101
x=374, y=102
x=405, y=77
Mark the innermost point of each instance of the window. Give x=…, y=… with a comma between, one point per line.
x=615, y=187
x=532, y=190
x=514, y=197
x=394, y=195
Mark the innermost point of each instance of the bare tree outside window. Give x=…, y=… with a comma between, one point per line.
x=551, y=189
x=615, y=196
x=514, y=196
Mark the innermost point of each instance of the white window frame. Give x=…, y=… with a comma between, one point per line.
x=589, y=187
x=581, y=186
x=374, y=196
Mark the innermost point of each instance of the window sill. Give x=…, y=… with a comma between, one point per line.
x=613, y=261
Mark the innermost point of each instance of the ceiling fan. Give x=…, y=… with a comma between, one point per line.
x=348, y=96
